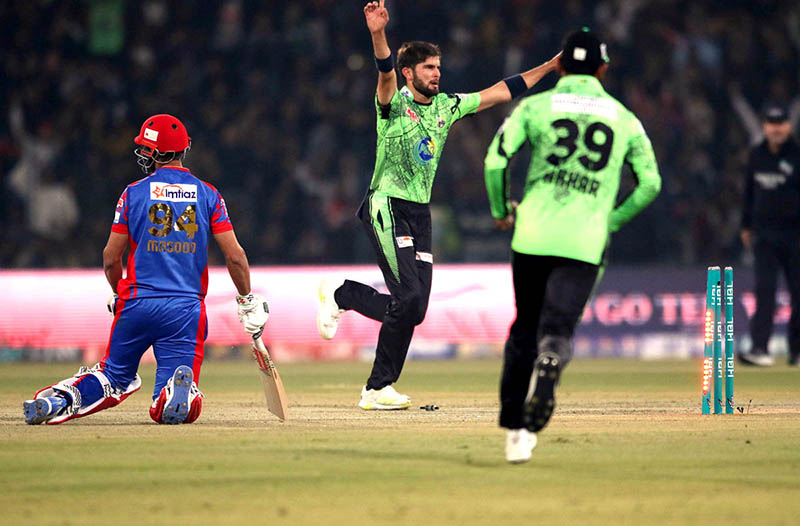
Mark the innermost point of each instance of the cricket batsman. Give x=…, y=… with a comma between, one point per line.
x=580, y=138
x=165, y=220
x=412, y=125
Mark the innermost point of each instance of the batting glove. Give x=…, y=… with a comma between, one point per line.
x=253, y=312
x=111, y=303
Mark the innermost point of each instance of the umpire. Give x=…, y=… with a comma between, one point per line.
x=771, y=228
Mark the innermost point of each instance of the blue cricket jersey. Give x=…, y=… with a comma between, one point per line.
x=168, y=217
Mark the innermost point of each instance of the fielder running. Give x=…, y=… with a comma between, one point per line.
x=165, y=220
x=412, y=125
x=580, y=138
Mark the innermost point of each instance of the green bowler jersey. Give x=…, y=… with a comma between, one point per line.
x=580, y=136
x=411, y=137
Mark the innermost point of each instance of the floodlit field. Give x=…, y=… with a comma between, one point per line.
x=627, y=445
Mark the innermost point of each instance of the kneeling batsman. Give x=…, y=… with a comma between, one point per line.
x=161, y=298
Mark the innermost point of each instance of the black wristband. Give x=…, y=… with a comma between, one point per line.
x=384, y=65
x=516, y=85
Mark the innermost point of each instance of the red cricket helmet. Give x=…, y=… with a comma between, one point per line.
x=162, y=138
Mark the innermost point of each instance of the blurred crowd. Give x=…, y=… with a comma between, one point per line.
x=278, y=99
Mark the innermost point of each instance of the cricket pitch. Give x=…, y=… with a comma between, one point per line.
x=627, y=445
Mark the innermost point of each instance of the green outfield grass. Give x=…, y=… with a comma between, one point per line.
x=627, y=445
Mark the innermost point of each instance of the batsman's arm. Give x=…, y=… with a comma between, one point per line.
x=377, y=17
x=642, y=161
x=236, y=260
x=509, y=88
x=507, y=141
x=112, y=258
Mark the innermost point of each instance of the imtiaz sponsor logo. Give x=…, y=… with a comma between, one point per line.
x=173, y=192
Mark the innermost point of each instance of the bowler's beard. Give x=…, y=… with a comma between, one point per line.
x=424, y=90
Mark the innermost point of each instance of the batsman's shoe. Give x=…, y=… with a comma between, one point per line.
x=519, y=445
x=540, y=401
x=178, y=388
x=43, y=409
x=386, y=399
x=760, y=359
x=329, y=312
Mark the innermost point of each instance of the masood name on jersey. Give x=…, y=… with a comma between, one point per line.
x=565, y=180
x=171, y=247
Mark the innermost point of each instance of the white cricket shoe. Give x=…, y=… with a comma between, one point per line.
x=329, y=312
x=519, y=444
x=761, y=359
x=385, y=399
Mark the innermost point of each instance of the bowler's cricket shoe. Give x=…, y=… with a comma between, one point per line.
x=540, y=402
x=329, y=312
x=519, y=445
x=386, y=399
x=178, y=389
x=43, y=409
x=757, y=357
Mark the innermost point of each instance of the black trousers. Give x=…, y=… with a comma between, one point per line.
x=775, y=251
x=400, y=232
x=551, y=293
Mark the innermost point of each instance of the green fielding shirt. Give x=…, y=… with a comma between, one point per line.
x=410, y=141
x=580, y=136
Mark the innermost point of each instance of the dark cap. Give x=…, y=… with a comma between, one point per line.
x=775, y=113
x=583, y=52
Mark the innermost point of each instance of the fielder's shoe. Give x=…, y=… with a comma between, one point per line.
x=178, y=388
x=756, y=357
x=329, y=312
x=43, y=409
x=540, y=402
x=794, y=361
x=519, y=444
x=385, y=399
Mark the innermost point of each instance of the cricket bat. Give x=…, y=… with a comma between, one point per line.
x=273, y=386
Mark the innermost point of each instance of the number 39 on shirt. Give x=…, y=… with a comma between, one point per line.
x=598, y=139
